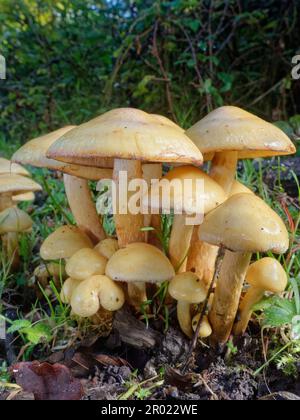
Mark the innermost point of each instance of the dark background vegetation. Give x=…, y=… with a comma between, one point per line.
x=68, y=61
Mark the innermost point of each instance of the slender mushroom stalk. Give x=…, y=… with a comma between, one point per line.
x=265, y=275
x=180, y=241
x=129, y=226
x=95, y=292
x=187, y=289
x=83, y=207
x=223, y=169
x=227, y=294
x=244, y=224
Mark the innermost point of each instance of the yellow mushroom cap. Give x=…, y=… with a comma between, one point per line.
x=140, y=262
x=107, y=247
x=267, y=274
x=166, y=121
x=85, y=263
x=94, y=292
x=29, y=196
x=205, y=329
x=14, y=219
x=187, y=287
x=64, y=242
x=13, y=183
x=209, y=193
x=68, y=289
x=245, y=223
x=230, y=128
x=34, y=153
x=125, y=133
x=8, y=167
x=238, y=188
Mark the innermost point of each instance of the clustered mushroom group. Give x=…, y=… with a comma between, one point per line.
x=16, y=186
x=102, y=273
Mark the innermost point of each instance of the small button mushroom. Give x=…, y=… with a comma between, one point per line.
x=136, y=265
x=265, y=275
x=187, y=289
x=68, y=289
x=107, y=247
x=95, y=292
x=205, y=328
x=64, y=242
x=85, y=263
x=51, y=271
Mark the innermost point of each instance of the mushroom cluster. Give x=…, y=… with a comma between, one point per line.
x=102, y=273
x=16, y=186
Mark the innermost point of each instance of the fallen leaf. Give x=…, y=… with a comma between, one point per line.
x=46, y=381
x=182, y=382
x=106, y=360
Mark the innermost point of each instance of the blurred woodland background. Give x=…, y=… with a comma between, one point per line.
x=68, y=61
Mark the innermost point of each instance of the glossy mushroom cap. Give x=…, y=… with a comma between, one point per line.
x=245, y=223
x=34, y=153
x=238, y=188
x=96, y=292
x=205, y=329
x=209, y=193
x=166, y=121
x=8, y=167
x=267, y=274
x=229, y=128
x=64, y=242
x=140, y=262
x=85, y=263
x=125, y=133
x=14, y=219
x=187, y=287
x=107, y=247
x=14, y=184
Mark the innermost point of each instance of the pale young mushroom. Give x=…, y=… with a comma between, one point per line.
x=265, y=275
x=68, y=289
x=19, y=198
x=95, y=292
x=183, y=202
x=130, y=137
x=244, y=224
x=139, y=263
x=76, y=179
x=8, y=167
x=85, y=263
x=64, y=242
x=107, y=247
x=13, y=221
x=51, y=271
x=12, y=184
x=205, y=328
x=187, y=289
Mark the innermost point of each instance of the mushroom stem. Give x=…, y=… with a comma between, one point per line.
x=83, y=207
x=227, y=294
x=10, y=244
x=6, y=201
x=180, y=242
x=153, y=171
x=252, y=296
x=184, y=317
x=223, y=169
x=202, y=258
x=129, y=226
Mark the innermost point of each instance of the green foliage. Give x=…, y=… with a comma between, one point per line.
x=69, y=61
